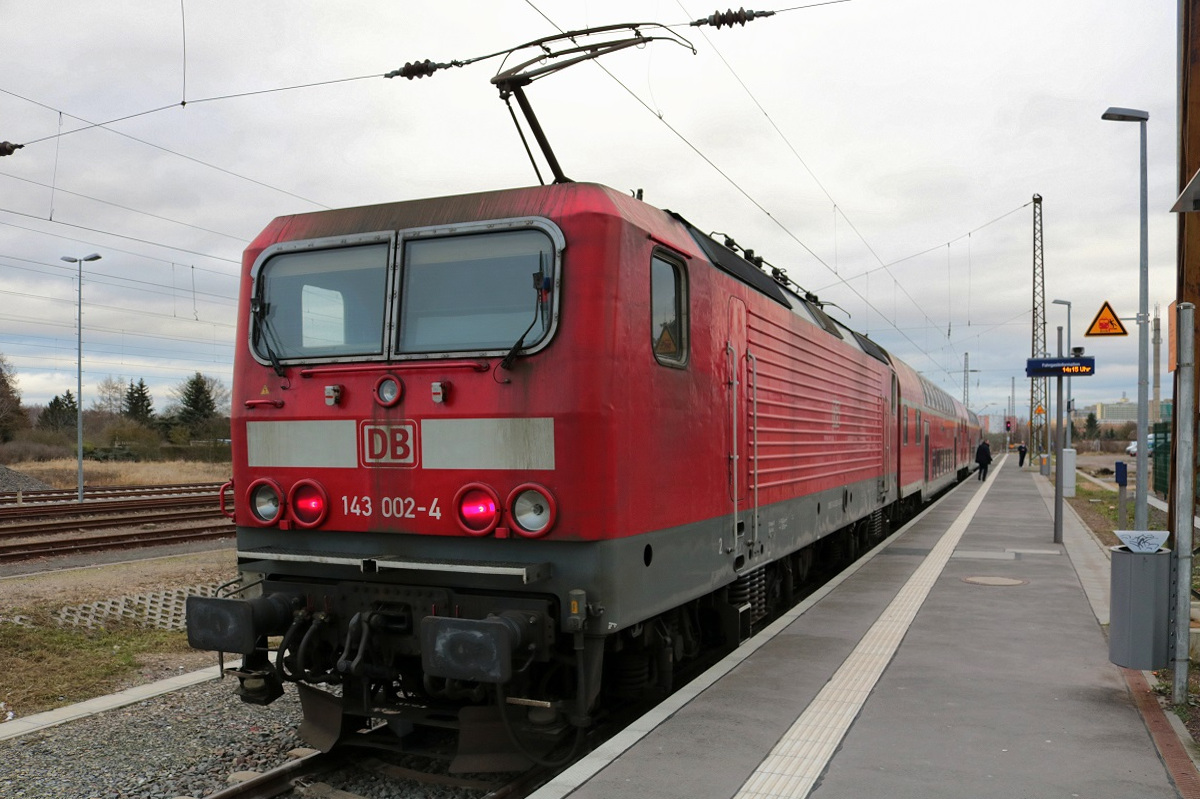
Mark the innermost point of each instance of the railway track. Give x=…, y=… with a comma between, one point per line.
x=299, y=778
x=119, y=540
x=15, y=530
x=66, y=510
x=118, y=518
x=105, y=492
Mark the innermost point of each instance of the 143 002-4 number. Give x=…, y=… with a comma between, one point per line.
x=391, y=507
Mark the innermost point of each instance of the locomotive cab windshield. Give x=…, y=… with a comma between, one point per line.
x=468, y=292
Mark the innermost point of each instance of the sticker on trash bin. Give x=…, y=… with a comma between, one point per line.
x=1142, y=541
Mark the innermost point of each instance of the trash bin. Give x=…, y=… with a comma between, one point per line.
x=1044, y=461
x=1139, y=608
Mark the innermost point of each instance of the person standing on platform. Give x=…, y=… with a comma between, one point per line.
x=1021, y=454
x=983, y=456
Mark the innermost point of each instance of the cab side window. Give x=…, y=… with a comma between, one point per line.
x=668, y=312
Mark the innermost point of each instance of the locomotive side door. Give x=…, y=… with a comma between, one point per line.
x=739, y=392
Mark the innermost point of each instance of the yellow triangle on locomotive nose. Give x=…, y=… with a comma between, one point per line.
x=1106, y=323
x=265, y=390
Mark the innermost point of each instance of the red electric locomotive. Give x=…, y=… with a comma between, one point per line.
x=508, y=454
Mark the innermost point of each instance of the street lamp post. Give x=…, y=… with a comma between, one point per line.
x=1139, y=498
x=79, y=364
x=1068, y=304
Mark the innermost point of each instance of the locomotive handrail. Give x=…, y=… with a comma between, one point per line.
x=221, y=499
x=313, y=371
x=261, y=403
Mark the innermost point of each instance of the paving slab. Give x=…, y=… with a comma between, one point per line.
x=997, y=685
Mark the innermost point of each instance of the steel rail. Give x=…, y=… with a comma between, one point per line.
x=281, y=780
x=65, y=509
x=10, y=531
x=71, y=494
x=31, y=550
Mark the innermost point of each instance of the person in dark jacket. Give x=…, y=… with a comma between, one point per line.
x=983, y=456
x=1021, y=450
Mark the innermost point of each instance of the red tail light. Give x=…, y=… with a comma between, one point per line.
x=309, y=503
x=478, y=509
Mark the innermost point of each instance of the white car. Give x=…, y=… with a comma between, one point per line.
x=1131, y=450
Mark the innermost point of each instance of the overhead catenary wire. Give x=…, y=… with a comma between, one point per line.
x=123, y=208
x=102, y=279
x=787, y=231
x=116, y=235
x=159, y=147
x=836, y=208
x=835, y=268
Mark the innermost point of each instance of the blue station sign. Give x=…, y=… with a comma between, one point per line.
x=1060, y=367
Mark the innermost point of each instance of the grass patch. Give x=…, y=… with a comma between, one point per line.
x=1098, y=508
x=46, y=666
x=64, y=473
x=1165, y=687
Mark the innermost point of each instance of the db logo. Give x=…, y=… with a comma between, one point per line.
x=389, y=444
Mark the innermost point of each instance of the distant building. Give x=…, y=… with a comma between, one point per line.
x=1120, y=412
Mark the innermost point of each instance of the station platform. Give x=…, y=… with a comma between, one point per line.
x=963, y=657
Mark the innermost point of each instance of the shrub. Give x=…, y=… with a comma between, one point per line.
x=25, y=449
x=126, y=435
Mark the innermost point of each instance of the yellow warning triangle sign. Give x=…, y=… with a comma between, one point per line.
x=1106, y=323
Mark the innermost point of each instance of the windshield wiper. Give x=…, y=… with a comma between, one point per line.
x=540, y=287
x=263, y=332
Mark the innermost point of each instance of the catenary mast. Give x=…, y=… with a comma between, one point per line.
x=1038, y=414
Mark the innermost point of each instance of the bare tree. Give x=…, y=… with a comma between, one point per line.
x=110, y=395
x=12, y=415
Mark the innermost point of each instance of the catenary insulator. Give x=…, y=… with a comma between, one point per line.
x=740, y=17
x=415, y=69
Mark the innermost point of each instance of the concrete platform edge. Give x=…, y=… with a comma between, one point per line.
x=40, y=721
x=595, y=761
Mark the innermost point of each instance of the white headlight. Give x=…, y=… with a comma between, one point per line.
x=533, y=511
x=265, y=502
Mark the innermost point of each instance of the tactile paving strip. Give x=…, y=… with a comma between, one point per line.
x=793, y=767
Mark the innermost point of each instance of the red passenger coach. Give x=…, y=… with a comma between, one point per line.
x=520, y=453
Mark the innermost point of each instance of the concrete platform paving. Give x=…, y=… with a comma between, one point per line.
x=997, y=685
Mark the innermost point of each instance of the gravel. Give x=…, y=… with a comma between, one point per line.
x=185, y=743
x=15, y=481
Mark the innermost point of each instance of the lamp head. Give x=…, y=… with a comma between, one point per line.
x=1115, y=114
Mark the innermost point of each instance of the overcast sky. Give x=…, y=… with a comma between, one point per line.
x=835, y=141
